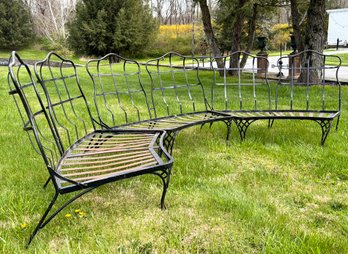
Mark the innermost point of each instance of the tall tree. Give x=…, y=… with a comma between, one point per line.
x=315, y=29
x=239, y=20
x=103, y=26
x=295, y=19
x=208, y=28
x=237, y=26
x=314, y=38
x=251, y=33
x=50, y=18
x=15, y=25
x=237, y=29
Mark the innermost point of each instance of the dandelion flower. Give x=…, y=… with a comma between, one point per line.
x=24, y=225
x=68, y=215
x=82, y=214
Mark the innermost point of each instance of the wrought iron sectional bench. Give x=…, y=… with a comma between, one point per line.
x=247, y=96
x=78, y=156
x=125, y=139
x=133, y=126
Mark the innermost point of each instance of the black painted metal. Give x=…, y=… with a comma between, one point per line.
x=139, y=138
x=78, y=157
x=117, y=84
x=239, y=97
x=236, y=88
x=168, y=101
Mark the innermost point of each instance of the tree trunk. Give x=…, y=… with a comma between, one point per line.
x=296, y=25
x=237, y=34
x=251, y=35
x=315, y=31
x=314, y=40
x=208, y=30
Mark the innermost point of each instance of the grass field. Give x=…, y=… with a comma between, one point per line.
x=277, y=192
x=344, y=58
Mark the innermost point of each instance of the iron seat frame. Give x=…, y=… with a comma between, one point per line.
x=243, y=118
x=176, y=66
x=96, y=158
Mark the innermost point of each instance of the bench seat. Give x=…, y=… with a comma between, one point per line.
x=140, y=118
x=243, y=119
x=180, y=121
x=106, y=156
x=283, y=114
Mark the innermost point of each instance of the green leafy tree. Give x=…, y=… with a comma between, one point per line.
x=103, y=26
x=15, y=25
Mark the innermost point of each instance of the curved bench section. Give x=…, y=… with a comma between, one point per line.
x=168, y=102
x=305, y=94
x=78, y=157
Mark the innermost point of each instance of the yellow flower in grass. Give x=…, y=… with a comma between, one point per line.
x=77, y=210
x=24, y=226
x=68, y=215
x=82, y=214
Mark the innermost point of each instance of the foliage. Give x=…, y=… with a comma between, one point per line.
x=280, y=35
x=103, y=26
x=227, y=13
x=225, y=17
x=15, y=26
x=178, y=38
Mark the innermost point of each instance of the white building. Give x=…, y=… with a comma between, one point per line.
x=338, y=27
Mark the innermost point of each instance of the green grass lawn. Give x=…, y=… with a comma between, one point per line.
x=344, y=58
x=36, y=53
x=277, y=192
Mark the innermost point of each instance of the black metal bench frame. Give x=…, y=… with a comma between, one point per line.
x=183, y=73
x=132, y=139
x=243, y=118
x=79, y=160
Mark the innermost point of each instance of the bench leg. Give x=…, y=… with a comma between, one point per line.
x=43, y=221
x=242, y=126
x=165, y=177
x=337, y=122
x=325, y=129
x=228, y=125
x=270, y=123
x=47, y=182
x=169, y=140
x=210, y=125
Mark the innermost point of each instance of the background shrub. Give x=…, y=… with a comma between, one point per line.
x=178, y=38
x=15, y=26
x=103, y=26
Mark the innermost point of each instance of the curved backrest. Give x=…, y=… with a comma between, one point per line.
x=311, y=82
x=68, y=109
x=119, y=95
x=32, y=109
x=238, y=86
x=176, y=87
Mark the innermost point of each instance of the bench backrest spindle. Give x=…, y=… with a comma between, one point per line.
x=237, y=86
x=175, y=85
x=119, y=95
x=68, y=107
x=307, y=87
x=28, y=97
